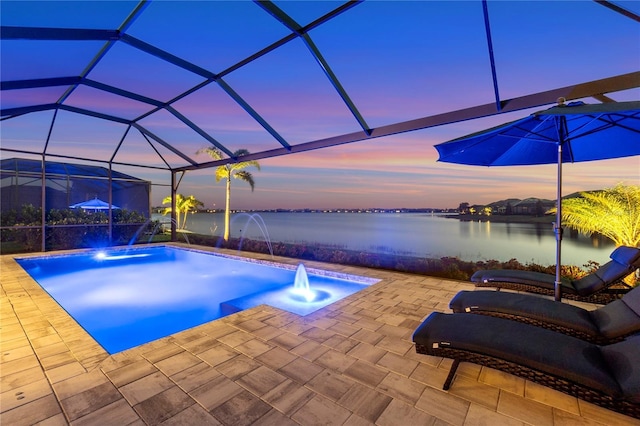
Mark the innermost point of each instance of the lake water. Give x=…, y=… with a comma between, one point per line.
x=414, y=234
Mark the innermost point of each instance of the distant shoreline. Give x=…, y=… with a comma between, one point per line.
x=511, y=218
x=498, y=218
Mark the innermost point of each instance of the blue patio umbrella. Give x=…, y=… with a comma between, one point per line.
x=95, y=205
x=568, y=133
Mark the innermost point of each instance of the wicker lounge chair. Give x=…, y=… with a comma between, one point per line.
x=602, y=286
x=608, y=376
x=608, y=324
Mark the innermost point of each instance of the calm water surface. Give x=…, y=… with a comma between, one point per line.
x=415, y=234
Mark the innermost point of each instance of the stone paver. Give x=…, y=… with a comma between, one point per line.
x=351, y=363
x=319, y=410
x=288, y=396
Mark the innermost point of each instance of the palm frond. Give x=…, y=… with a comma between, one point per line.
x=222, y=173
x=241, y=152
x=244, y=164
x=612, y=212
x=212, y=152
x=247, y=177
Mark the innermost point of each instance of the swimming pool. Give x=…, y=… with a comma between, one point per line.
x=126, y=297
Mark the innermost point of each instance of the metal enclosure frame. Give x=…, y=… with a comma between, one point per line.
x=600, y=90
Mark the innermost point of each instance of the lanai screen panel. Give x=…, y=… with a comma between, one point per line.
x=554, y=49
x=425, y=65
x=68, y=184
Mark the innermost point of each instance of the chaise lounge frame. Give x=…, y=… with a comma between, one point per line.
x=615, y=291
x=602, y=286
x=607, y=376
x=537, y=376
x=603, y=326
x=558, y=328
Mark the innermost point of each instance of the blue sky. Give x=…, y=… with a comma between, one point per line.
x=397, y=60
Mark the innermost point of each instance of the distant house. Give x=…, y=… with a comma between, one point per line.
x=502, y=209
x=532, y=206
x=476, y=209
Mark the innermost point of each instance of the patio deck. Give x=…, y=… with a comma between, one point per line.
x=350, y=363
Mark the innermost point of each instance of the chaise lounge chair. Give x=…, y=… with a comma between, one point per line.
x=608, y=376
x=594, y=288
x=608, y=324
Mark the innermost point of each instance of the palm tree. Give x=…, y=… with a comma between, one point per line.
x=612, y=212
x=227, y=171
x=184, y=205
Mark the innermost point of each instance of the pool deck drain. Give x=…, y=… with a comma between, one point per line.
x=350, y=363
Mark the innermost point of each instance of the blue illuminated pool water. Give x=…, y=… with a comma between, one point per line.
x=125, y=298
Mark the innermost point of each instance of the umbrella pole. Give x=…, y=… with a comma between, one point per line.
x=557, y=228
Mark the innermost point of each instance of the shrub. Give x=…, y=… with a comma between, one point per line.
x=445, y=267
x=65, y=230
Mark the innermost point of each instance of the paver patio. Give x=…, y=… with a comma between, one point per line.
x=350, y=363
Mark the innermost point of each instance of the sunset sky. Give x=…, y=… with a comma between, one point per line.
x=397, y=60
x=365, y=175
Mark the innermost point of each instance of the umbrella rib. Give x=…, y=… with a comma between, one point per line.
x=609, y=120
x=540, y=137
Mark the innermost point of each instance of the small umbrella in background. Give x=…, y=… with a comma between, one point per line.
x=93, y=205
x=568, y=133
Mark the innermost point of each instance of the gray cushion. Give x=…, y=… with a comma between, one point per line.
x=518, y=276
x=538, y=348
x=625, y=260
x=624, y=362
x=607, y=274
x=632, y=300
x=591, y=283
x=616, y=319
x=525, y=305
x=625, y=255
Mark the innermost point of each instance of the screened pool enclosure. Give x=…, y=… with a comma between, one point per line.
x=137, y=88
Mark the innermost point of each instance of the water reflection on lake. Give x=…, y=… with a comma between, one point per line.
x=417, y=234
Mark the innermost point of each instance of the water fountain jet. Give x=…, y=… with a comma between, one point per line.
x=262, y=226
x=302, y=292
x=158, y=227
x=301, y=284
